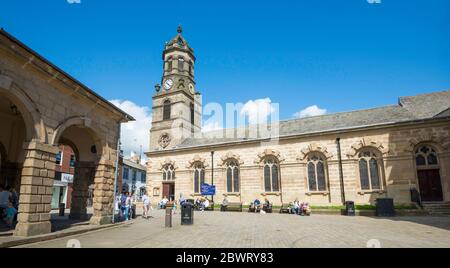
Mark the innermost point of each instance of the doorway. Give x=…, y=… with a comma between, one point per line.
x=428, y=174
x=430, y=185
x=169, y=190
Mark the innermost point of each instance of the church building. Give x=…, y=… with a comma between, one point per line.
x=324, y=160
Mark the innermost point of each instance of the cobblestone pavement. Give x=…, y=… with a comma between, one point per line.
x=245, y=230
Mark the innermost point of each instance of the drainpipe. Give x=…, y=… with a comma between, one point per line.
x=341, y=173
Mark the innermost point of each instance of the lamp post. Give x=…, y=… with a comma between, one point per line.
x=212, y=173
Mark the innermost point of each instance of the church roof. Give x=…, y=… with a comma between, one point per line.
x=420, y=107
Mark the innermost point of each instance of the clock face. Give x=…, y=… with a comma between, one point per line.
x=168, y=84
x=191, y=88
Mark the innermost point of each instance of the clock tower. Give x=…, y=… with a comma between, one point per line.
x=176, y=104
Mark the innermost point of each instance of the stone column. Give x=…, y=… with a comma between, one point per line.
x=36, y=189
x=84, y=176
x=104, y=192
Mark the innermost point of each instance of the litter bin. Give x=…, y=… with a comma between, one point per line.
x=385, y=207
x=187, y=214
x=133, y=211
x=350, y=208
x=62, y=209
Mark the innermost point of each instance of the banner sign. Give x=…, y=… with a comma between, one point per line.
x=208, y=189
x=68, y=178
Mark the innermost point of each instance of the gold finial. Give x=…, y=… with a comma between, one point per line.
x=179, y=30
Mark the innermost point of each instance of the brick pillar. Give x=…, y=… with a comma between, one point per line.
x=36, y=189
x=103, y=193
x=83, y=177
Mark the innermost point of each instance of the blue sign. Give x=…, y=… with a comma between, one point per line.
x=208, y=189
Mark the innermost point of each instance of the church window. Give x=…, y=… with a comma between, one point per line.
x=168, y=173
x=180, y=64
x=166, y=110
x=232, y=176
x=192, y=117
x=316, y=173
x=369, y=170
x=426, y=156
x=199, y=177
x=271, y=175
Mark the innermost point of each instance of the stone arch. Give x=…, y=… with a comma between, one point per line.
x=269, y=152
x=440, y=143
x=313, y=148
x=85, y=124
x=166, y=162
x=364, y=143
x=230, y=155
x=197, y=159
x=34, y=124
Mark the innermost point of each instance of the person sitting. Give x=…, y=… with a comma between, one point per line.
x=267, y=207
x=305, y=209
x=205, y=204
x=197, y=204
x=256, y=205
x=224, y=204
x=296, y=207
x=162, y=204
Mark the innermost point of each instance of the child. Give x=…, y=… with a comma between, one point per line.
x=10, y=213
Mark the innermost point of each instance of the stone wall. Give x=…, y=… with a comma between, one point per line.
x=395, y=146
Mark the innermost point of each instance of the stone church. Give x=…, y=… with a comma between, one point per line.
x=325, y=160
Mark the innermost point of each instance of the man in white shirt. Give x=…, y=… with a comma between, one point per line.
x=146, y=201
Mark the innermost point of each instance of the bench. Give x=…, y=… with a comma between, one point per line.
x=285, y=208
x=232, y=207
x=268, y=209
x=251, y=208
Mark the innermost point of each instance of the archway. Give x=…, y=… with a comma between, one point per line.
x=13, y=133
x=428, y=173
x=84, y=144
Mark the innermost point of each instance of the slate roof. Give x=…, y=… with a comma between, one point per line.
x=426, y=106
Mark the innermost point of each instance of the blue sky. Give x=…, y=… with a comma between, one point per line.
x=337, y=54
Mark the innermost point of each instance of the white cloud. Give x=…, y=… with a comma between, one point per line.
x=136, y=133
x=258, y=110
x=313, y=110
x=211, y=126
x=74, y=1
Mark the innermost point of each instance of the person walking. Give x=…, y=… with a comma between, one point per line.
x=146, y=202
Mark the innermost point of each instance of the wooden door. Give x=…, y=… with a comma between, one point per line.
x=430, y=185
x=166, y=190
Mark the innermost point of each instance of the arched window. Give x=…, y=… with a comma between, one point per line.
x=232, y=176
x=180, y=64
x=168, y=173
x=426, y=156
x=192, y=117
x=316, y=173
x=166, y=110
x=190, y=67
x=169, y=64
x=369, y=170
x=199, y=177
x=271, y=175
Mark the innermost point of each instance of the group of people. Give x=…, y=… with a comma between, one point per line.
x=124, y=205
x=9, y=205
x=302, y=209
x=256, y=206
x=202, y=203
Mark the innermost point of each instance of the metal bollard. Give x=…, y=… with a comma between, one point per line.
x=168, y=217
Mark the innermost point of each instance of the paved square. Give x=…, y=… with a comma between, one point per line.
x=248, y=230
